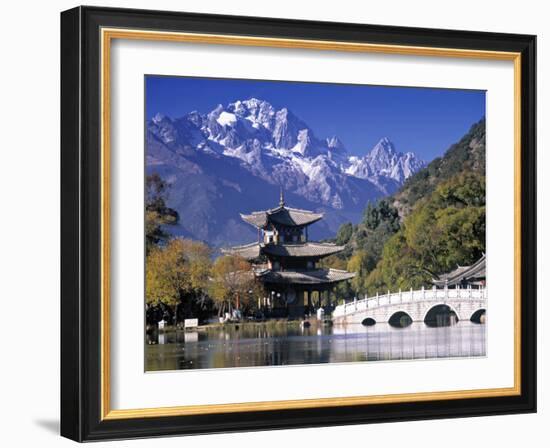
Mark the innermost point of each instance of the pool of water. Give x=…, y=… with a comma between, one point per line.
x=282, y=343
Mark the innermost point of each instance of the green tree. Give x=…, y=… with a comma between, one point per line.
x=381, y=213
x=444, y=230
x=157, y=213
x=358, y=263
x=344, y=233
x=397, y=269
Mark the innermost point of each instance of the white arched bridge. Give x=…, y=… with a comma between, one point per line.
x=432, y=306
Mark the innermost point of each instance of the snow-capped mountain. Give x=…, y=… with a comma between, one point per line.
x=270, y=147
x=384, y=161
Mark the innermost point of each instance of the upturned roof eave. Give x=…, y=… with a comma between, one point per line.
x=253, y=220
x=310, y=250
x=309, y=278
x=462, y=272
x=251, y=251
x=260, y=219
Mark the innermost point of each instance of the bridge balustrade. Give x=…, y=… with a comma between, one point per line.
x=408, y=297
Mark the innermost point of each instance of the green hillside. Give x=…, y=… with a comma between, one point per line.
x=467, y=155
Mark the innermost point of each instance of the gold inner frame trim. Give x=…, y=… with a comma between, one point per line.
x=107, y=35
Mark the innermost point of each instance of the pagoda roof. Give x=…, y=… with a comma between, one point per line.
x=474, y=271
x=282, y=215
x=253, y=251
x=249, y=251
x=305, y=277
x=302, y=249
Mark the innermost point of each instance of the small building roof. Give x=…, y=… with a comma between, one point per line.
x=474, y=271
x=282, y=215
x=313, y=277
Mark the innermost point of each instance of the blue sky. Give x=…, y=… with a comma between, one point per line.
x=425, y=121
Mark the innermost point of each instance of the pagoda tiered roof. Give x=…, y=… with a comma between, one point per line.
x=305, y=277
x=314, y=250
x=248, y=251
x=284, y=257
x=282, y=215
x=302, y=249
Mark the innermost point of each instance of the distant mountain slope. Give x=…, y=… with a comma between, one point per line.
x=234, y=159
x=467, y=155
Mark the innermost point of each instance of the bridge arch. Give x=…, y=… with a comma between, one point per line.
x=479, y=316
x=440, y=315
x=400, y=319
x=368, y=321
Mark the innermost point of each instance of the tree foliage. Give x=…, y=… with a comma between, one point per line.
x=359, y=263
x=443, y=231
x=467, y=155
x=380, y=222
x=178, y=271
x=344, y=233
x=381, y=214
x=157, y=213
x=364, y=245
x=233, y=283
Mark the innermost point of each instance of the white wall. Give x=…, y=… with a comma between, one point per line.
x=29, y=186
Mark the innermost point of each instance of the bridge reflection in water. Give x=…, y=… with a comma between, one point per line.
x=269, y=344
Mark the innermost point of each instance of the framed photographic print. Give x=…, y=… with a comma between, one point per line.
x=276, y=224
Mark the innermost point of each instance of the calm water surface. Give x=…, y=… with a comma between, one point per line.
x=275, y=344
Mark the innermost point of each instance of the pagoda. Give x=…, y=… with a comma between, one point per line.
x=286, y=262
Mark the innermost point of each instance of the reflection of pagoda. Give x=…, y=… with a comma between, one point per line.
x=291, y=275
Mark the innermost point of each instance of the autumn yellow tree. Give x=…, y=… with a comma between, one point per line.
x=233, y=283
x=173, y=271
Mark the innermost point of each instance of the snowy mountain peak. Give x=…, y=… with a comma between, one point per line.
x=252, y=103
x=215, y=113
x=334, y=143
x=159, y=118
x=279, y=147
x=259, y=114
x=227, y=119
x=383, y=147
x=383, y=161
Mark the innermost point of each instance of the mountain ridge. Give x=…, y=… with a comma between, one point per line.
x=269, y=148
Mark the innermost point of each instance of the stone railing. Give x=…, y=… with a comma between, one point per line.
x=420, y=295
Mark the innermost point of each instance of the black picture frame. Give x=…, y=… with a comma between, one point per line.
x=81, y=224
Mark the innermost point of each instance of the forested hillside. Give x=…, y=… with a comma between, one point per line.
x=434, y=222
x=465, y=156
